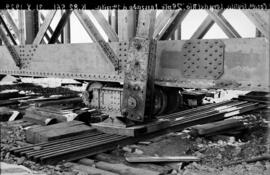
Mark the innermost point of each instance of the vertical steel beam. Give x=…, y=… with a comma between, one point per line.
x=21, y=16
x=138, y=97
x=60, y=26
x=126, y=24
x=44, y=27
x=67, y=32
x=112, y=36
x=224, y=24
x=205, y=26
x=31, y=25
x=96, y=36
x=115, y=20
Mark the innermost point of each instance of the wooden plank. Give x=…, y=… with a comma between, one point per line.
x=117, y=167
x=205, y=26
x=112, y=36
x=61, y=101
x=89, y=169
x=32, y=132
x=59, y=133
x=224, y=25
x=132, y=130
x=44, y=27
x=152, y=159
x=38, y=119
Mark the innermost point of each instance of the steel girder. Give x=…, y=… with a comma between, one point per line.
x=246, y=63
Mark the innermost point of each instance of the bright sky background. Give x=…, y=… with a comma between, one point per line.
x=190, y=24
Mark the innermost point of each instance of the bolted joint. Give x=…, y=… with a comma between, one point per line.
x=132, y=102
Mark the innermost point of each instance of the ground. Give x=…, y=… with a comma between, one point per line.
x=216, y=152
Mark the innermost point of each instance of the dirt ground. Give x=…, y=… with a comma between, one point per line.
x=216, y=152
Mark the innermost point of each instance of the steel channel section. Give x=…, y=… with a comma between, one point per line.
x=246, y=64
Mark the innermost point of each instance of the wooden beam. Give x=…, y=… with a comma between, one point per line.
x=172, y=25
x=260, y=19
x=44, y=27
x=7, y=30
x=60, y=26
x=224, y=24
x=96, y=37
x=112, y=36
x=205, y=26
x=11, y=23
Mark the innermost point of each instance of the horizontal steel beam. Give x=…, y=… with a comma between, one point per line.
x=246, y=63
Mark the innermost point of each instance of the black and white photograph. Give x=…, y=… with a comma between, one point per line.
x=93, y=88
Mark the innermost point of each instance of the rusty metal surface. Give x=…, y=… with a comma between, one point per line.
x=138, y=92
x=203, y=59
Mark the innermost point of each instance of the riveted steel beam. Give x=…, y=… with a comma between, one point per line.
x=60, y=26
x=260, y=19
x=44, y=27
x=112, y=36
x=49, y=30
x=11, y=22
x=10, y=48
x=224, y=24
x=31, y=25
x=139, y=75
x=12, y=39
x=162, y=19
x=96, y=36
x=127, y=21
x=172, y=25
x=205, y=26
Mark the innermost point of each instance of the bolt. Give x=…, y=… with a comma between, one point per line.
x=132, y=103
